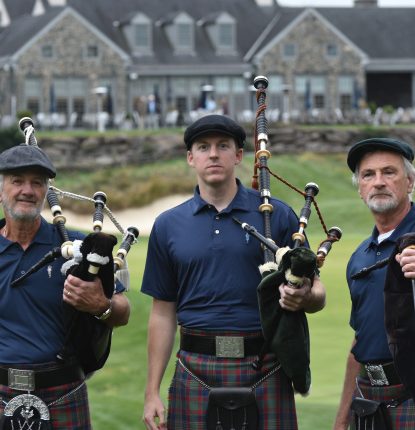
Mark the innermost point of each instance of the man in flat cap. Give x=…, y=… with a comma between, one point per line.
x=37, y=389
x=383, y=172
x=202, y=272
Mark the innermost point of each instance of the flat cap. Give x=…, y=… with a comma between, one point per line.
x=214, y=124
x=24, y=156
x=359, y=149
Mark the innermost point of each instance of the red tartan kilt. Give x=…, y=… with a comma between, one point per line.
x=188, y=398
x=402, y=416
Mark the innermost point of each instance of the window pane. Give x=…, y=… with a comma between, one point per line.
x=184, y=35
x=275, y=83
x=345, y=84
x=225, y=35
x=92, y=51
x=142, y=35
x=47, y=51
x=331, y=50
x=222, y=85
x=289, y=50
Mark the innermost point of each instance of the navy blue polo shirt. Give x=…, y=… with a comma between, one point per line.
x=367, y=315
x=205, y=262
x=31, y=314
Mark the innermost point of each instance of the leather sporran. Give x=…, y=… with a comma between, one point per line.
x=232, y=408
x=370, y=414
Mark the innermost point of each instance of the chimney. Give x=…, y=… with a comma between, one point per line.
x=365, y=3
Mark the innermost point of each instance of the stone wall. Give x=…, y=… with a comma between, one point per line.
x=96, y=152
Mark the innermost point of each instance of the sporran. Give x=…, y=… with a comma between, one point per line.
x=370, y=415
x=232, y=408
x=25, y=412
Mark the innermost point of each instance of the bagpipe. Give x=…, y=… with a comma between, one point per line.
x=285, y=332
x=87, y=337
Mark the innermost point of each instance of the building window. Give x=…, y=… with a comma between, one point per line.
x=184, y=35
x=332, y=50
x=345, y=102
x=92, y=51
x=310, y=91
x=33, y=105
x=47, y=51
x=318, y=100
x=142, y=35
x=225, y=35
x=289, y=50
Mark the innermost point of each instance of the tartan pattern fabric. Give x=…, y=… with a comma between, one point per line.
x=72, y=412
x=402, y=416
x=188, y=398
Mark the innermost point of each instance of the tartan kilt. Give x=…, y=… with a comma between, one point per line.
x=188, y=398
x=72, y=412
x=402, y=416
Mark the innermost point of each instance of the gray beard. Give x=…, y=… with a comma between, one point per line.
x=383, y=206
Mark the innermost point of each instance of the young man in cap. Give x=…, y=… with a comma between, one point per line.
x=202, y=272
x=383, y=171
x=37, y=389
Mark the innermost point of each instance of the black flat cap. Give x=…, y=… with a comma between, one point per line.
x=214, y=124
x=24, y=156
x=359, y=149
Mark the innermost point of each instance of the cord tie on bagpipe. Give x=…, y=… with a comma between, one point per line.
x=286, y=332
x=86, y=336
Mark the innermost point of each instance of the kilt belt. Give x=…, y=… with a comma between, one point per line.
x=380, y=374
x=225, y=346
x=35, y=379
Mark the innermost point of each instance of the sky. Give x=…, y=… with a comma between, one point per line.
x=344, y=3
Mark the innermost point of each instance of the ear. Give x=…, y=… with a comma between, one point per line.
x=190, y=159
x=239, y=156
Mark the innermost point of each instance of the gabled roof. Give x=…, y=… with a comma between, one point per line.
x=26, y=29
x=378, y=32
x=17, y=8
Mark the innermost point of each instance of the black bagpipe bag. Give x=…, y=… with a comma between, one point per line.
x=87, y=337
x=400, y=316
x=286, y=333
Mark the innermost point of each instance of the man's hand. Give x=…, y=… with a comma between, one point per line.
x=407, y=261
x=294, y=299
x=154, y=411
x=85, y=296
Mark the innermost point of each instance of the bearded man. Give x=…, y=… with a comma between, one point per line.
x=383, y=172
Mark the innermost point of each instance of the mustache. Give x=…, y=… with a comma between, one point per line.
x=380, y=193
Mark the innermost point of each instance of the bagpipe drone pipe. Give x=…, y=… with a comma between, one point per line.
x=285, y=332
x=87, y=337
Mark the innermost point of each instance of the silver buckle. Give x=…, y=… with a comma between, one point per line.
x=376, y=375
x=22, y=380
x=230, y=346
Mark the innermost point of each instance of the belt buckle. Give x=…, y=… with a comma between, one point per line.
x=230, y=346
x=22, y=380
x=376, y=375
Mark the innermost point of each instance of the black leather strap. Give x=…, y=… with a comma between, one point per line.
x=201, y=344
x=49, y=377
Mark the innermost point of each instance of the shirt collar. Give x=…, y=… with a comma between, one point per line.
x=240, y=201
x=43, y=235
x=398, y=232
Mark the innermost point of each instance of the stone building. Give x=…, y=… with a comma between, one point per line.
x=77, y=62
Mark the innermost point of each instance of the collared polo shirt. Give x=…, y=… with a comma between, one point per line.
x=367, y=315
x=203, y=260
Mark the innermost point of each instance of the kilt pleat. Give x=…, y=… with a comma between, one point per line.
x=403, y=415
x=188, y=398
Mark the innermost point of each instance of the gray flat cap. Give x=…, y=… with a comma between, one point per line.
x=25, y=156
